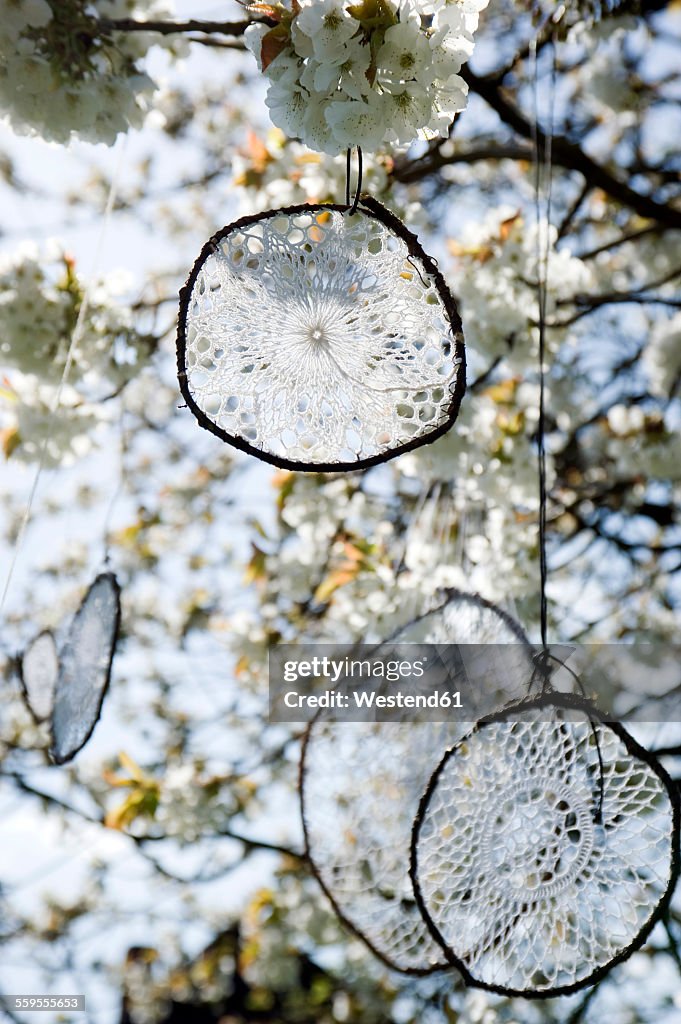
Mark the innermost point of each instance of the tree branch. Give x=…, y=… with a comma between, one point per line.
x=171, y=28
x=673, y=751
x=415, y=170
x=574, y=209
x=49, y=798
x=587, y=304
x=261, y=844
x=565, y=152
x=631, y=236
x=571, y=156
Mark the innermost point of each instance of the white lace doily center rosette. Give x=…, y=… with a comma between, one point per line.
x=537, y=863
x=319, y=339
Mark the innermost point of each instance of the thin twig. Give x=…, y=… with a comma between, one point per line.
x=171, y=28
x=572, y=212
x=577, y=1014
x=632, y=236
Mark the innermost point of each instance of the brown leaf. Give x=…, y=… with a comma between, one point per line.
x=273, y=43
x=256, y=570
x=506, y=226
x=9, y=440
x=257, y=152
x=336, y=579
x=503, y=393
x=273, y=11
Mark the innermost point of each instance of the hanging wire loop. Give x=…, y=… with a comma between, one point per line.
x=348, y=175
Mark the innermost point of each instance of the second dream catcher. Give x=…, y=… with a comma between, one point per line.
x=66, y=687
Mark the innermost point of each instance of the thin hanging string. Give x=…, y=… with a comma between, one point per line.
x=543, y=183
x=120, y=485
x=543, y=190
x=70, y=355
x=424, y=496
x=598, y=815
x=348, y=174
x=360, y=170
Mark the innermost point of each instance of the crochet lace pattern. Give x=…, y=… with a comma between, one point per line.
x=361, y=783
x=85, y=663
x=320, y=339
x=545, y=848
x=38, y=671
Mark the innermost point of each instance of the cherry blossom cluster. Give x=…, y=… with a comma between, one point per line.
x=662, y=356
x=41, y=295
x=495, y=279
x=365, y=74
x=87, y=84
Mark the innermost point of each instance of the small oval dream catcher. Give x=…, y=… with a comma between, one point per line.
x=68, y=687
x=320, y=338
x=545, y=848
x=361, y=783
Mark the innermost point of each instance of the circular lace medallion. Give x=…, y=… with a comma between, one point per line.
x=320, y=340
x=361, y=783
x=545, y=848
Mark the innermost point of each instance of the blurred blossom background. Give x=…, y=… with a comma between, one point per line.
x=161, y=873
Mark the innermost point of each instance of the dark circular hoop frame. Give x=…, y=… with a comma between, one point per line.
x=115, y=633
x=454, y=594
x=372, y=208
x=451, y=594
x=568, y=702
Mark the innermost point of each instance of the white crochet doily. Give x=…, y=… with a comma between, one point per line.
x=361, y=783
x=38, y=671
x=319, y=339
x=544, y=849
x=85, y=668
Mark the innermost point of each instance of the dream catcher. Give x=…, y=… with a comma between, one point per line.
x=67, y=687
x=361, y=783
x=545, y=848
x=320, y=338
x=323, y=337
x=65, y=683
